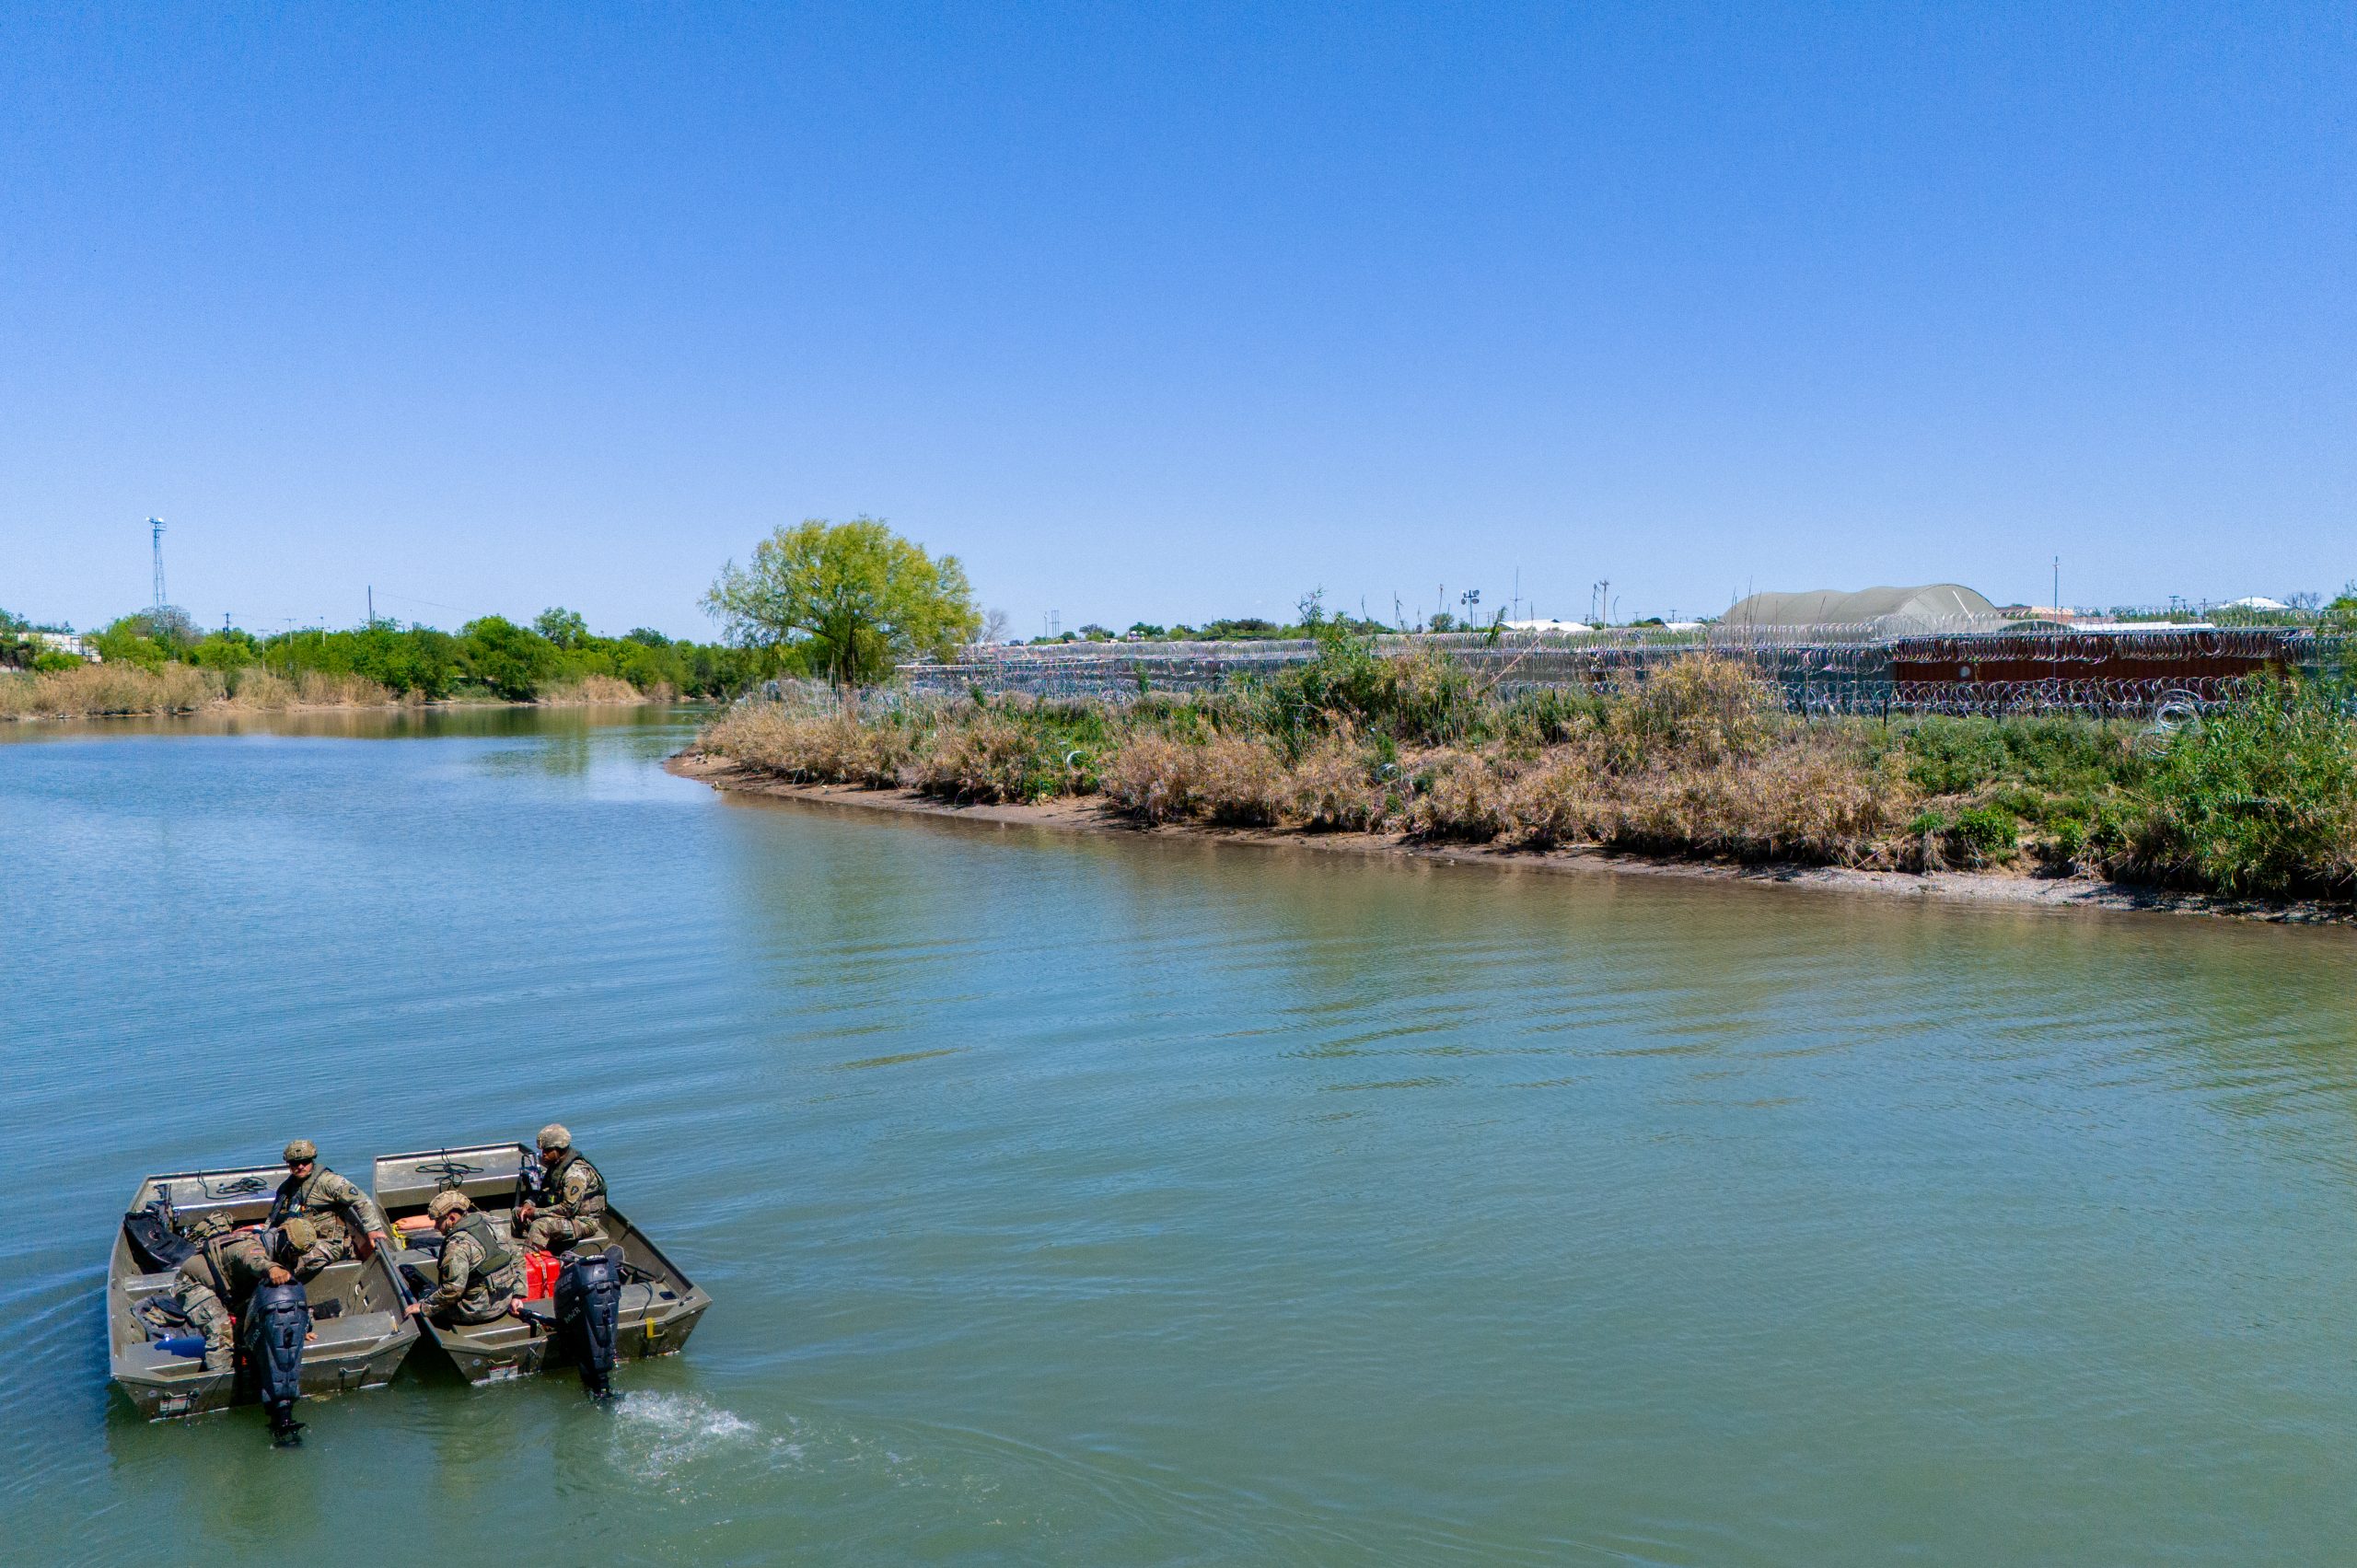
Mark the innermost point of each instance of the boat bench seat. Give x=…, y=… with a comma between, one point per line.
x=151, y=1360
x=353, y=1328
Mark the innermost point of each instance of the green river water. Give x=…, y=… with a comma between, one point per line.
x=1100, y=1200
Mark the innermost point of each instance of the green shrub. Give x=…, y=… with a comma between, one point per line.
x=1984, y=835
x=2259, y=796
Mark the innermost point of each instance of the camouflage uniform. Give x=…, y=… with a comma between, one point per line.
x=575, y=1209
x=325, y=1199
x=214, y=1285
x=469, y=1292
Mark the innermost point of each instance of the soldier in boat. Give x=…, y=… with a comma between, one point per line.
x=215, y=1281
x=479, y=1276
x=330, y=1203
x=569, y=1204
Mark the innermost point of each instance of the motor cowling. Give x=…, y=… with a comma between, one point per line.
x=589, y=1300
x=278, y=1321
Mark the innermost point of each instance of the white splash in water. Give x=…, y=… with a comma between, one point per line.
x=655, y=1435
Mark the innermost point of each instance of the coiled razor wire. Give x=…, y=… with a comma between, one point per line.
x=1827, y=676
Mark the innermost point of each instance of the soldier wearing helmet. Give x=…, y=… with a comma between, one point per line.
x=331, y=1204
x=569, y=1204
x=480, y=1275
x=215, y=1281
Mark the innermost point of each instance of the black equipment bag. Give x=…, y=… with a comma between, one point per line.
x=588, y=1298
x=154, y=1242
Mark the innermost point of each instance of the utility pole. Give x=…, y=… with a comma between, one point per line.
x=2058, y=587
x=157, y=527
x=372, y=604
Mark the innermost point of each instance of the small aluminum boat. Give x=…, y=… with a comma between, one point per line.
x=360, y=1324
x=659, y=1306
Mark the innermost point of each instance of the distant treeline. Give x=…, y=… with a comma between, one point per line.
x=492, y=657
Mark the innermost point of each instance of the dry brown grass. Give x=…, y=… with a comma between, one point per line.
x=101, y=689
x=1464, y=799
x=1240, y=783
x=1152, y=778
x=989, y=759
x=1703, y=711
x=1813, y=803
x=1331, y=789
x=1804, y=796
x=257, y=689
x=316, y=689
x=593, y=690
x=831, y=749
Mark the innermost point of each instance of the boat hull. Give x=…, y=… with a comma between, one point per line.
x=359, y=1343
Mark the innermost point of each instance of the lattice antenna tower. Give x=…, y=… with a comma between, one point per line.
x=157, y=527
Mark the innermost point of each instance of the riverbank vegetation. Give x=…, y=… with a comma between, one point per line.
x=2257, y=798
x=161, y=664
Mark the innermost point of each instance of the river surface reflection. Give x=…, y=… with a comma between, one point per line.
x=1099, y=1201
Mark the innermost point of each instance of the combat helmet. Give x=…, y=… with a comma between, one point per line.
x=301, y=1149
x=446, y=1203
x=556, y=1136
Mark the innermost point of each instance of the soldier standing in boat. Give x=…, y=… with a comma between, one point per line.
x=569, y=1204
x=313, y=1192
x=216, y=1280
x=479, y=1276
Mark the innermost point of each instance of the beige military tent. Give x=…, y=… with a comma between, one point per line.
x=1935, y=607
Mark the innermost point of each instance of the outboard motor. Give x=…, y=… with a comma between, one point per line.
x=588, y=1298
x=277, y=1320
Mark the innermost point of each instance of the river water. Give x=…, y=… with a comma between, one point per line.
x=1097, y=1201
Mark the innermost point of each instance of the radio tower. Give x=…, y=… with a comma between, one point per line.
x=157, y=525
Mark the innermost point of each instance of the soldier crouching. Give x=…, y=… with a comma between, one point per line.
x=569, y=1205
x=214, y=1282
x=479, y=1277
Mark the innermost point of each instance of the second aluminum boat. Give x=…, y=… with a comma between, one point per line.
x=659, y=1306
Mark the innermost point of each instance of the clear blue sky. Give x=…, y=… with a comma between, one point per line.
x=1171, y=312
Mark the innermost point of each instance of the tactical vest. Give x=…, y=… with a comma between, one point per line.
x=494, y=1256
x=295, y=1197
x=593, y=1201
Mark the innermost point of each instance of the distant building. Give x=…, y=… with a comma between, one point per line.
x=66, y=643
x=1546, y=625
x=1946, y=606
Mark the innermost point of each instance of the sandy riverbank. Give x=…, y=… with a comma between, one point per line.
x=1089, y=815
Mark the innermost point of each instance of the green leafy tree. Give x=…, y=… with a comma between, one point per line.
x=126, y=641
x=511, y=659
x=562, y=626
x=847, y=601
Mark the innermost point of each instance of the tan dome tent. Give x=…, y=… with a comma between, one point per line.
x=1945, y=606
